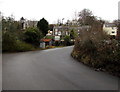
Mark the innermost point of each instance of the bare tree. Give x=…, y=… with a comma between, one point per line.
x=115, y=22
x=84, y=15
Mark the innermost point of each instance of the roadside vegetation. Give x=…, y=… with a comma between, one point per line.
x=17, y=39
x=95, y=48
x=12, y=44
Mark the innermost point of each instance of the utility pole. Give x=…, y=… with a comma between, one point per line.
x=0, y=33
x=118, y=30
x=62, y=27
x=62, y=20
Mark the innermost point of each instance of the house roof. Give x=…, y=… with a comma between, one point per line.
x=46, y=40
x=110, y=25
x=67, y=27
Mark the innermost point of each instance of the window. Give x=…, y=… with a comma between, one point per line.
x=113, y=32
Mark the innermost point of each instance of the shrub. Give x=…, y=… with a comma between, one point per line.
x=22, y=46
x=67, y=40
x=33, y=36
x=49, y=47
x=98, y=51
x=10, y=43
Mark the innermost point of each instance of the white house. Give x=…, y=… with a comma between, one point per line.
x=110, y=29
x=49, y=33
x=29, y=23
x=65, y=30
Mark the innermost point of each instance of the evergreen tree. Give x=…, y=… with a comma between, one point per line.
x=43, y=26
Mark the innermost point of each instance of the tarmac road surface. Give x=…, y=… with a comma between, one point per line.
x=52, y=69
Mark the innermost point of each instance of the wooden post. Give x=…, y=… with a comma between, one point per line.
x=118, y=31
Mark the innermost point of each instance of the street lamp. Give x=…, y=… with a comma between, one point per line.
x=62, y=20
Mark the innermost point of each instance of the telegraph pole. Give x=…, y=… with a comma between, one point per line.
x=118, y=30
x=62, y=28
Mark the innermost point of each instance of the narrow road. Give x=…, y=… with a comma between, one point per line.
x=52, y=69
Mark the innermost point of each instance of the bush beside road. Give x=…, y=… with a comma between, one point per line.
x=99, y=53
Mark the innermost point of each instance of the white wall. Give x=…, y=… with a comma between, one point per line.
x=110, y=30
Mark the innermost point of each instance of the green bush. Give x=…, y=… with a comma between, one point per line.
x=22, y=46
x=33, y=36
x=98, y=51
x=10, y=43
x=67, y=40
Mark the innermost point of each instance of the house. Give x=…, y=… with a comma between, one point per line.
x=46, y=42
x=61, y=30
x=65, y=30
x=28, y=23
x=49, y=33
x=110, y=29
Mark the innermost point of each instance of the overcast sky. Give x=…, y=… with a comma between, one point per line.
x=52, y=10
